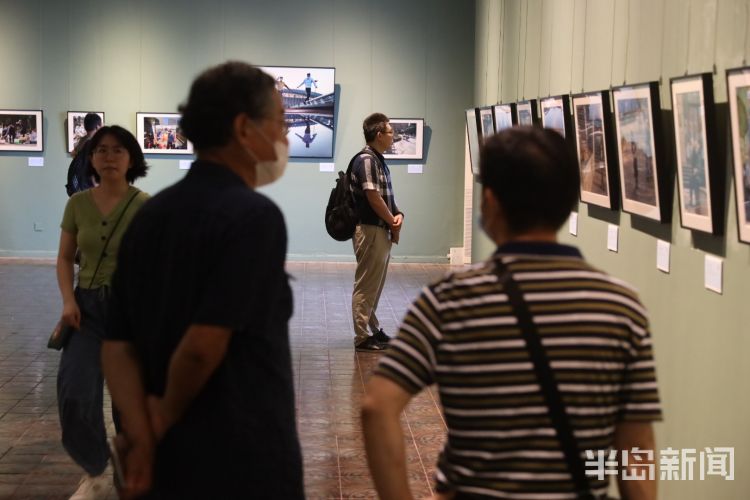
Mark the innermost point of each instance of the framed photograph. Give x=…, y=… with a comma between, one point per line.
x=309, y=97
x=21, y=130
x=594, y=149
x=526, y=113
x=639, y=148
x=555, y=113
x=473, y=126
x=75, y=129
x=505, y=116
x=738, y=94
x=486, y=123
x=692, y=105
x=159, y=133
x=408, y=139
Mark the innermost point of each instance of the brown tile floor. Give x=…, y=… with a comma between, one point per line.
x=329, y=383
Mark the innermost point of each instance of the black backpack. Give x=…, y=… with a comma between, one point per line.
x=341, y=214
x=78, y=180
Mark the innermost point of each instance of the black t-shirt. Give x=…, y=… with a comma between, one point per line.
x=209, y=250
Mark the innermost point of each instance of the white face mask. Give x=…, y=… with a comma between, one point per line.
x=268, y=171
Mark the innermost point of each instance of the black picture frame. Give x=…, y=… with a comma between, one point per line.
x=408, y=139
x=700, y=185
x=21, y=130
x=74, y=131
x=472, y=131
x=527, y=113
x=640, y=146
x=505, y=116
x=486, y=117
x=738, y=96
x=595, y=150
x=167, y=141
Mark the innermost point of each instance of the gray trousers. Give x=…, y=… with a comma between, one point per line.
x=372, y=248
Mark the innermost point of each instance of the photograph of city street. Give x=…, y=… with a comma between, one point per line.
x=553, y=114
x=309, y=98
x=503, y=116
x=635, y=145
x=526, y=112
x=591, y=146
x=691, y=141
x=738, y=90
x=408, y=139
x=159, y=133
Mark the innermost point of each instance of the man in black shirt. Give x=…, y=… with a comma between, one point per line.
x=197, y=358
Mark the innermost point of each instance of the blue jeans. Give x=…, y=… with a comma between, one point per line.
x=80, y=385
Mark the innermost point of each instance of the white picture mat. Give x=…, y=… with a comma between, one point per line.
x=71, y=128
x=691, y=220
x=587, y=195
x=629, y=204
x=141, y=130
x=736, y=80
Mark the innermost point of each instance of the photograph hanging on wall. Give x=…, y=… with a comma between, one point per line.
x=486, y=122
x=636, y=109
x=408, y=139
x=504, y=116
x=309, y=98
x=592, y=116
x=555, y=111
x=692, y=102
x=75, y=127
x=526, y=114
x=472, y=130
x=160, y=133
x=738, y=94
x=21, y=130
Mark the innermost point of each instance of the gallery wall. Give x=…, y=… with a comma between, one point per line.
x=536, y=48
x=406, y=59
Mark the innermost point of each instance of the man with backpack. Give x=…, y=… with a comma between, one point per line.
x=379, y=227
x=78, y=177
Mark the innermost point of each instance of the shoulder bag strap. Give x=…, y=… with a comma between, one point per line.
x=114, y=228
x=547, y=382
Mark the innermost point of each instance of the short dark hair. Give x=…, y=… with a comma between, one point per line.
x=218, y=95
x=91, y=122
x=128, y=141
x=534, y=176
x=376, y=122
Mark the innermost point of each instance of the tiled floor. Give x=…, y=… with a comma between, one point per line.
x=329, y=383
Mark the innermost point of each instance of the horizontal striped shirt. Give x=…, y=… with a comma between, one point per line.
x=462, y=335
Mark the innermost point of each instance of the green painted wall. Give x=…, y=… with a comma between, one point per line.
x=536, y=48
x=406, y=59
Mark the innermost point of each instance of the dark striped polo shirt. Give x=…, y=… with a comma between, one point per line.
x=461, y=335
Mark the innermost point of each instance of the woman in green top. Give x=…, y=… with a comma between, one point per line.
x=94, y=222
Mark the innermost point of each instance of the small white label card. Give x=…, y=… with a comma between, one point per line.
x=36, y=161
x=415, y=168
x=185, y=164
x=613, y=233
x=327, y=167
x=573, y=223
x=713, y=273
x=662, y=255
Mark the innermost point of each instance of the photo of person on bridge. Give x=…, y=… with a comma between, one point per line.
x=308, y=82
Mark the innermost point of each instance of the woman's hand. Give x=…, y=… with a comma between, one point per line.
x=71, y=314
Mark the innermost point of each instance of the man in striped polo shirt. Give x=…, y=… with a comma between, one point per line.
x=462, y=334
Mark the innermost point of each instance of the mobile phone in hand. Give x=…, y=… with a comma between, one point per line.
x=117, y=464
